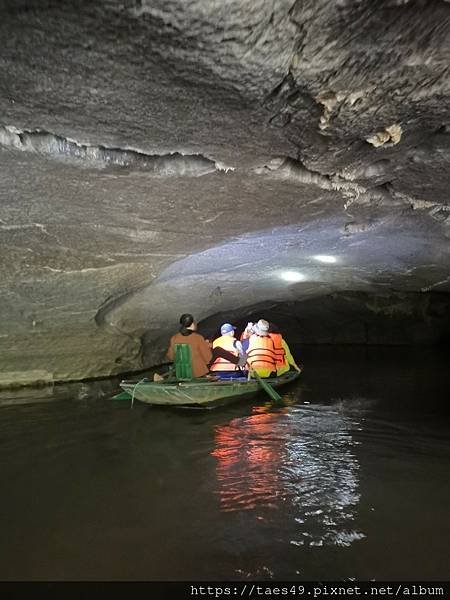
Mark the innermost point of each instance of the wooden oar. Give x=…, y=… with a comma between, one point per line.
x=266, y=387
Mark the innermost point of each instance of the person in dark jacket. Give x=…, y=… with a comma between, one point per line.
x=201, y=350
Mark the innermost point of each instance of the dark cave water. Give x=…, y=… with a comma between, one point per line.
x=348, y=479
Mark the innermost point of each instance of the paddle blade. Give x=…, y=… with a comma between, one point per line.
x=267, y=388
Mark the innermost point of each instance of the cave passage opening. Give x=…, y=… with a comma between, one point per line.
x=349, y=319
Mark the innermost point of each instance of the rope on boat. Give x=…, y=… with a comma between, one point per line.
x=134, y=389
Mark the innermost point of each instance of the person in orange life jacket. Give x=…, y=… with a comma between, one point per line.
x=201, y=350
x=228, y=355
x=260, y=350
x=284, y=358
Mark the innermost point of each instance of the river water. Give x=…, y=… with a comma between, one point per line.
x=349, y=478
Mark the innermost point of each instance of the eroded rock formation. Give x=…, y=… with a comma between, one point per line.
x=163, y=156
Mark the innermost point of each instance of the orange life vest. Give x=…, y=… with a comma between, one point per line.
x=222, y=364
x=279, y=350
x=261, y=352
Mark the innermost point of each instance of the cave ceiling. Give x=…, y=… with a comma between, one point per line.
x=166, y=156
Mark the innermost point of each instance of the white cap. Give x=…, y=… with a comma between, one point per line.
x=261, y=327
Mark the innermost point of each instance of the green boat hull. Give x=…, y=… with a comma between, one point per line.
x=201, y=392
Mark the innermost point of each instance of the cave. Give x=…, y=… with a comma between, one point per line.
x=164, y=157
x=278, y=159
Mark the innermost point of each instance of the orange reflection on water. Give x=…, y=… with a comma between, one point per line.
x=249, y=453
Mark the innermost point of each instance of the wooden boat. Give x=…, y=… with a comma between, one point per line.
x=200, y=392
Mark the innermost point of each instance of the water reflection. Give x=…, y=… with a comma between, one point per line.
x=249, y=451
x=298, y=459
x=321, y=474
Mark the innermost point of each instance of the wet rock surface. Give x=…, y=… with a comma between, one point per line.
x=163, y=157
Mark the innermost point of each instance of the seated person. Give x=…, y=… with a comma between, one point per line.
x=228, y=355
x=261, y=356
x=247, y=331
x=284, y=358
x=201, y=350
